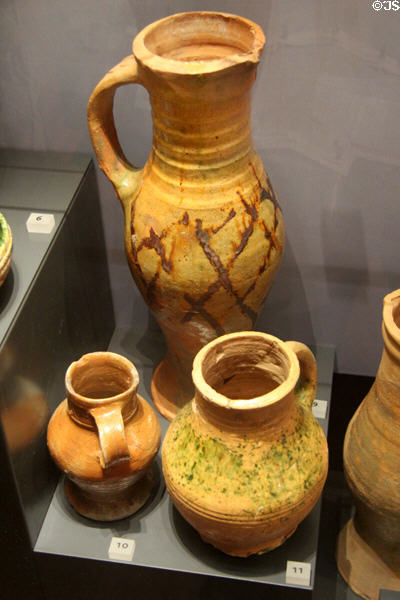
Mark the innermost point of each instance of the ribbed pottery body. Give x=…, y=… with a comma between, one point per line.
x=104, y=437
x=246, y=461
x=5, y=248
x=204, y=233
x=371, y=542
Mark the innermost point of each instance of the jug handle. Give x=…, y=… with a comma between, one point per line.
x=308, y=373
x=111, y=430
x=125, y=178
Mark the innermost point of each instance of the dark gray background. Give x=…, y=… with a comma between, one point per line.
x=326, y=121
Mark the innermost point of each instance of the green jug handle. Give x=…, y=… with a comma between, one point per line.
x=125, y=178
x=306, y=388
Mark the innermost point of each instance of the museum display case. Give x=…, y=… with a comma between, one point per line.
x=55, y=306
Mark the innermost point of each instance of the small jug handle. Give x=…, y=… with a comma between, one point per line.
x=125, y=178
x=110, y=426
x=308, y=372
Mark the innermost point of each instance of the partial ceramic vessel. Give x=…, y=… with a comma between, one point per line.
x=23, y=407
x=104, y=437
x=204, y=232
x=368, y=553
x=24, y=413
x=246, y=461
x=5, y=248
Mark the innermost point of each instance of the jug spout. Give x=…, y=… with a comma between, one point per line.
x=195, y=43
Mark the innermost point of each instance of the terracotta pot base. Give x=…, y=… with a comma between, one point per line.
x=361, y=567
x=164, y=386
x=169, y=394
x=239, y=553
x=118, y=506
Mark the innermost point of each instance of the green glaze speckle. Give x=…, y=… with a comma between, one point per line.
x=264, y=476
x=3, y=231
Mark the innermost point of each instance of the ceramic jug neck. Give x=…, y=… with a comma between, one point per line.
x=101, y=380
x=201, y=126
x=198, y=68
x=269, y=420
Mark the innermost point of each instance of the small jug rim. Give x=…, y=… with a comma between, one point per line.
x=281, y=391
x=89, y=403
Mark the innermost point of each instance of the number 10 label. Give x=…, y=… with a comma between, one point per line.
x=121, y=549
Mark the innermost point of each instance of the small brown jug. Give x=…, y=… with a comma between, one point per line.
x=246, y=461
x=104, y=437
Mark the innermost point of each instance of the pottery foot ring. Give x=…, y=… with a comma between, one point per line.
x=240, y=553
x=110, y=506
x=361, y=567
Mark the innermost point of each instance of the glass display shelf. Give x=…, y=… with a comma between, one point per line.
x=44, y=182
x=49, y=315
x=163, y=539
x=29, y=250
x=55, y=303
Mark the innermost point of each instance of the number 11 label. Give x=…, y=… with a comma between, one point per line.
x=121, y=549
x=298, y=573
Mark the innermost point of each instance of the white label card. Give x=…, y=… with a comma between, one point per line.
x=298, y=573
x=40, y=223
x=121, y=549
x=319, y=408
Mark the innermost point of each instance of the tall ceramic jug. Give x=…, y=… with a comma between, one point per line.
x=204, y=233
x=368, y=552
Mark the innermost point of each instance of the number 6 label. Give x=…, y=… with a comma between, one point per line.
x=40, y=223
x=298, y=573
x=121, y=549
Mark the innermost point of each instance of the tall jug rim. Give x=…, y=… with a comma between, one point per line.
x=245, y=38
x=391, y=315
